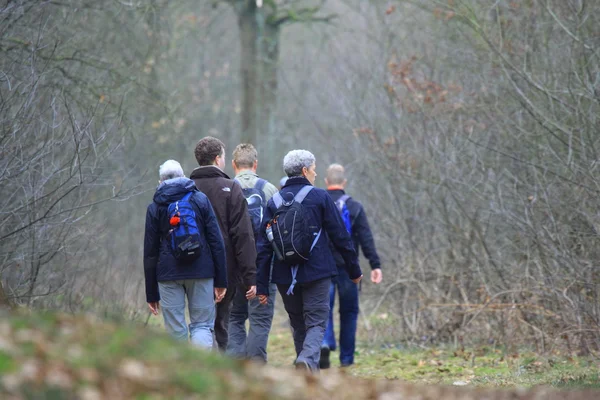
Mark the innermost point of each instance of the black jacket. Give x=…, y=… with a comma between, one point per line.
x=231, y=210
x=322, y=213
x=159, y=263
x=361, y=231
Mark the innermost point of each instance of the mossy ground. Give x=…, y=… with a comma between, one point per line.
x=57, y=356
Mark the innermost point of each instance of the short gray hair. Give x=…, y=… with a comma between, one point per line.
x=335, y=174
x=295, y=160
x=170, y=169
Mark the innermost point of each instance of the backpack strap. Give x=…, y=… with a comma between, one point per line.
x=187, y=196
x=301, y=195
x=277, y=199
x=260, y=184
x=343, y=199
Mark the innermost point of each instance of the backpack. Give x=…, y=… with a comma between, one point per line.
x=255, y=197
x=291, y=235
x=292, y=240
x=184, y=237
x=344, y=212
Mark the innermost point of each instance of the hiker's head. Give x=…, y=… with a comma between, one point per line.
x=335, y=178
x=244, y=157
x=300, y=163
x=210, y=151
x=170, y=169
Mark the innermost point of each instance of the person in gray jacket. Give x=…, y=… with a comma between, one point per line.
x=252, y=344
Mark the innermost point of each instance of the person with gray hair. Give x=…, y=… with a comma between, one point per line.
x=170, y=273
x=170, y=169
x=296, y=161
x=304, y=287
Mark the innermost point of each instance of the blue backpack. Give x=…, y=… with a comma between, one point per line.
x=344, y=212
x=184, y=237
x=255, y=197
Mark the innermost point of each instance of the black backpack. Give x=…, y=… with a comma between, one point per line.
x=291, y=236
x=255, y=197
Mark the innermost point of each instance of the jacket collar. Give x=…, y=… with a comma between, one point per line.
x=208, y=171
x=340, y=191
x=296, y=180
x=246, y=172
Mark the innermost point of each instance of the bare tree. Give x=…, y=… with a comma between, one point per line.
x=260, y=24
x=59, y=126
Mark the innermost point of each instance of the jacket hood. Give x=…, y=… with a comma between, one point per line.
x=173, y=189
x=209, y=171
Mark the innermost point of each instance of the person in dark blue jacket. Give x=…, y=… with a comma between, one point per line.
x=308, y=303
x=169, y=280
x=348, y=293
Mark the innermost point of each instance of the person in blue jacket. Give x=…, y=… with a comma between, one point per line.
x=308, y=303
x=168, y=280
x=348, y=292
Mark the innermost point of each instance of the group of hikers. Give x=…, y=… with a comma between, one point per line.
x=236, y=242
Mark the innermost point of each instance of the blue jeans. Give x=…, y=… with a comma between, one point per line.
x=201, y=305
x=348, y=292
x=307, y=308
x=252, y=345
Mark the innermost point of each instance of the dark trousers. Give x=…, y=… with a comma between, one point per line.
x=222, y=318
x=308, y=309
x=348, y=293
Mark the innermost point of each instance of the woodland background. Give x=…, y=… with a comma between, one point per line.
x=469, y=129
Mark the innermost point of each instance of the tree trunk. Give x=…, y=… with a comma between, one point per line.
x=4, y=302
x=259, y=61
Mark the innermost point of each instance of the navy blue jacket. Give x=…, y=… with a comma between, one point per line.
x=159, y=263
x=321, y=213
x=361, y=231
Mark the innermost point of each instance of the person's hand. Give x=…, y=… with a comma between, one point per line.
x=357, y=280
x=220, y=293
x=263, y=298
x=154, y=307
x=376, y=276
x=251, y=293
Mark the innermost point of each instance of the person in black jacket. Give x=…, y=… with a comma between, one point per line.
x=305, y=292
x=348, y=293
x=169, y=280
x=231, y=210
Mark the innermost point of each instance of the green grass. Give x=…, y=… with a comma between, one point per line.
x=483, y=366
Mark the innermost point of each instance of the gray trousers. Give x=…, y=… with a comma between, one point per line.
x=201, y=305
x=308, y=309
x=252, y=345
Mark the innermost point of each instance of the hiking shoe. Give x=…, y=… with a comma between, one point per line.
x=324, y=362
x=302, y=366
